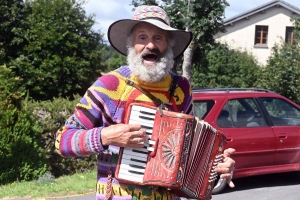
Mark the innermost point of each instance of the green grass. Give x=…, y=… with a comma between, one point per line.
x=47, y=186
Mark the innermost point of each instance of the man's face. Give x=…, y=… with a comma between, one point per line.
x=150, y=39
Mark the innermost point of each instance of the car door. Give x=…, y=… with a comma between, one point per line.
x=255, y=146
x=285, y=119
x=253, y=140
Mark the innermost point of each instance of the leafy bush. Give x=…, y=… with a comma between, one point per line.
x=225, y=67
x=21, y=155
x=113, y=59
x=282, y=72
x=51, y=115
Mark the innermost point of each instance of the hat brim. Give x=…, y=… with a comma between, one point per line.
x=119, y=31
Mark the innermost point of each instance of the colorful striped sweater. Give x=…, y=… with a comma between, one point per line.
x=105, y=103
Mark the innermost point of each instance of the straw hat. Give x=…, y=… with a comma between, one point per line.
x=119, y=31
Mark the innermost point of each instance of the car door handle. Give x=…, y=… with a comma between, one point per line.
x=229, y=139
x=282, y=136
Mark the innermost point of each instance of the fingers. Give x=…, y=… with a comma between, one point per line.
x=123, y=135
x=228, y=177
x=228, y=152
x=227, y=167
x=133, y=127
x=231, y=184
x=138, y=138
x=134, y=145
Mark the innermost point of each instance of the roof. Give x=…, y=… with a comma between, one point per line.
x=229, y=90
x=262, y=8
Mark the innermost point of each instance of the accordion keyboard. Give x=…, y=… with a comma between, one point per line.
x=133, y=162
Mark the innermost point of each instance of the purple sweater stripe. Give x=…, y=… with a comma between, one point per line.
x=66, y=140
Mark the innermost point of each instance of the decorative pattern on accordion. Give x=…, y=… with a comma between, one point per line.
x=166, y=167
x=169, y=150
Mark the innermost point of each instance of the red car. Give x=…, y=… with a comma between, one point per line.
x=263, y=127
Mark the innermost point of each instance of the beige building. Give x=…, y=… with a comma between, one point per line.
x=257, y=30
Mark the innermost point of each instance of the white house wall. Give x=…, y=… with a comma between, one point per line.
x=241, y=34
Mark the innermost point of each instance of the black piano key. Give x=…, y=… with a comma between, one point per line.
x=147, y=118
x=137, y=151
x=147, y=113
x=135, y=172
x=136, y=166
x=146, y=127
x=136, y=160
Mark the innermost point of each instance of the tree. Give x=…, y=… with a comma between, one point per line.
x=202, y=17
x=63, y=55
x=12, y=26
x=223, y=67
x=282, y=72
x=113, y=59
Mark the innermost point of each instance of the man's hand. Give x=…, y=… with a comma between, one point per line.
x=124, y=135
x=226, y=168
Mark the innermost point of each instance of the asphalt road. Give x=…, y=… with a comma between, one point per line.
x=285, y=186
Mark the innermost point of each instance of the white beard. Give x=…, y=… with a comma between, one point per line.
x=150, y=72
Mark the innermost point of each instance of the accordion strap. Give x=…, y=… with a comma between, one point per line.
x=157, y=101
x=173, y=86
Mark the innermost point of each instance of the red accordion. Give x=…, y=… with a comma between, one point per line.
x=180, y=156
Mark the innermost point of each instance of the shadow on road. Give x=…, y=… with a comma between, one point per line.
x=262, y=181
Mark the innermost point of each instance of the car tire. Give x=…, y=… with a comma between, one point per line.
x=219, y=186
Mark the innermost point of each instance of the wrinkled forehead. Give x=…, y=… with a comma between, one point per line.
x=148, y=28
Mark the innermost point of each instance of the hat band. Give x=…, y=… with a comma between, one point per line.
x=159, y=19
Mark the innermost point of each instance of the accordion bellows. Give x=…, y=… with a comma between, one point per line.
x=181, y=155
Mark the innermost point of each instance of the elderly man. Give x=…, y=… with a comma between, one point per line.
x=97, y=125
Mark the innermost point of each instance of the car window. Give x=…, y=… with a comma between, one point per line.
x=224, y=119
x=202, y=108
x=282, y=112
x=244, y=112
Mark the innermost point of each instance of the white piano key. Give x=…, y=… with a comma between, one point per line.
x=133, y=163
x=149, y=143
x=129, y=168
x=137, y=150
x=136, y=114
x=128, y=157
x=142, y=112
x=129, y=176
x=148, y=112
x=135, y=154
x=142, y=122
x=150, y=149
x=139, y=163
x=152, y=142
x=141, y=108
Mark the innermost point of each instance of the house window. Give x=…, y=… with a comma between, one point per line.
x=289, y=35
x=261, y=35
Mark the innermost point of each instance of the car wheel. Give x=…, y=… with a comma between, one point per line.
x=219, y=186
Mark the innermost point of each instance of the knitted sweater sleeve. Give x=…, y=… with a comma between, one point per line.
x=99, y=107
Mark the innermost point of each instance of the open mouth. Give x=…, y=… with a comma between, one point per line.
x=151, y=57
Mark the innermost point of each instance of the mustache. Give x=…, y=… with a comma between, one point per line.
x=152, y=51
